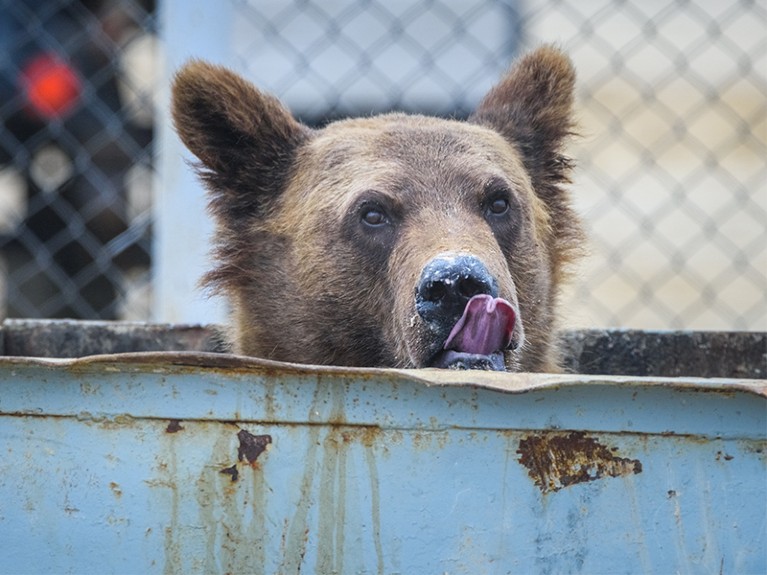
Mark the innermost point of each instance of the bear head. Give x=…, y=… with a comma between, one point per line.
x=395, y=240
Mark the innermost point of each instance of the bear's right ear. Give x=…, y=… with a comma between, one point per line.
x=245, y=139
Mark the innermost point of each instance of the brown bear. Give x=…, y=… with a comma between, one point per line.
x=395, y=240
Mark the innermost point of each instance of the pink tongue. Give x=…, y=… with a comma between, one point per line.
x=484, y=328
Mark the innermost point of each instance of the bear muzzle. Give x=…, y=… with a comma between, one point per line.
x=457, y=298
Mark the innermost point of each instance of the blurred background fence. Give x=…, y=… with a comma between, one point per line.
x=75, y=157
x=672, y=162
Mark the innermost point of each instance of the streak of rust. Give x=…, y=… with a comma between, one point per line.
x=251, y=446
x=556, y=460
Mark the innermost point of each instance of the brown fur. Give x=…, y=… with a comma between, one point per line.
x=307, y=283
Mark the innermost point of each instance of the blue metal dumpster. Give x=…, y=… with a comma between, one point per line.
x=196, y=462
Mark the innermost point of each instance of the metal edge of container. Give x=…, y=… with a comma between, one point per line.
x=497, y=381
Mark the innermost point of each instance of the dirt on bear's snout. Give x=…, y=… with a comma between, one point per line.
x=396, y=240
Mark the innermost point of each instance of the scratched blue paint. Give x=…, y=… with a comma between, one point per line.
x=115, y=466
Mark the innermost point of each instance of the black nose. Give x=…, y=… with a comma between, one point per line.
x=447, y=283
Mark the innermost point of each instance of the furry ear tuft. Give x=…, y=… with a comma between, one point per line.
x=245, y=139
x=532, y=108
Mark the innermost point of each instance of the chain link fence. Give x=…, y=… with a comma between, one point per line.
x=75, y=157
x=672, y=162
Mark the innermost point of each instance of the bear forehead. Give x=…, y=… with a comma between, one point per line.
x=419, y=142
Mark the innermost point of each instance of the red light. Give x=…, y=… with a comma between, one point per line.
x=51, y=86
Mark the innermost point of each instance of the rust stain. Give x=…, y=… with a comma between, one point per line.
x=251, y=446
x=367, y=435
x=556, y=460
x=174, y=426
x=115, y=489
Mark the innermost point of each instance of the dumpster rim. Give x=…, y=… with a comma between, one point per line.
x=503, y=382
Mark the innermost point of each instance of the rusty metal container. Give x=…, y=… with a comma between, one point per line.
x=200, y=462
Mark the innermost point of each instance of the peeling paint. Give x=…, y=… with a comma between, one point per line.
x=723, y=456
x=231, y=471
x=555, y=460
x=252, y=446
x=174, y=426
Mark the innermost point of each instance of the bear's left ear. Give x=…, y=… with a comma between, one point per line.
x=532, y=108
x=245, y=139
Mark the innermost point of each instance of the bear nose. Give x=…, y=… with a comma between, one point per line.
x=447, y=283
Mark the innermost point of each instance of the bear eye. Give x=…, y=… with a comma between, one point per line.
x=374, y=216
x=496, y=198
x=498, y=206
